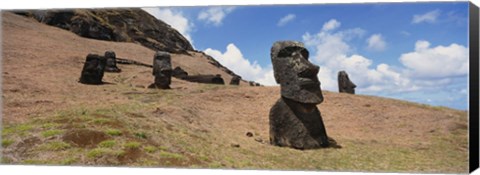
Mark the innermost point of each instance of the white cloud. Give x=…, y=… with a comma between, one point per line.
x=429, y=17
x=331, y=25
x=174, y=19
x=215, y=15
x=440, y=61
x=286, y=19
x=234, y=60
x=376, y=42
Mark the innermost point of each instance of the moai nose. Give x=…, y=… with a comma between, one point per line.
x=309, y=70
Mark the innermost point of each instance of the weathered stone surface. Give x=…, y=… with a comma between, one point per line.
x=295, y=120
x=178, y=72
x=93, y=69
x=235, y=80
x=295, y=74
x=162, y=70
x=251, y=83
x=345, y=85
x=121, y=24
x=208, y=79
x=111, y=62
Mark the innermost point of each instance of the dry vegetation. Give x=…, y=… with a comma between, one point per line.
x=46, y=111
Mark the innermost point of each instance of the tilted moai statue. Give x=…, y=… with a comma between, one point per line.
x=235, y=80
x=162, y=70
x=295, y=120
x=93, y=69
x=344, y=83
x=111, y=62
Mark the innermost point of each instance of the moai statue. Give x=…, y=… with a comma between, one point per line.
x=344, y=83
x=93, y=69
x=162, y=70
x=178, y=72
x=251, y=83
x=111, y=62
x=235, y=80
x=295, y=120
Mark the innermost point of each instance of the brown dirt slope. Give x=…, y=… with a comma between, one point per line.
x=194, y=125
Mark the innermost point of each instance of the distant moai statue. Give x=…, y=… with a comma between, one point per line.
x=295, y=120
x=93, y=69
x=235, y=80
x=251, y=83
x=162, y=70
x=111, y=62
x=345, y=85
x=178, y=72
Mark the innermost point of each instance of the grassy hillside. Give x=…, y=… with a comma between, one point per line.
x=50, y=118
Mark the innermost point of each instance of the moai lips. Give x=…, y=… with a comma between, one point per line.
x=345, y=85
x=295, y=120
x=162, y=70
x=93, y=69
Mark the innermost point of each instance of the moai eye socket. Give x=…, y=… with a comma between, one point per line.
x=304, y=53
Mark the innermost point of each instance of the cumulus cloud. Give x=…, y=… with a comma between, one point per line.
x=234, y=60
x=215, y=15
x=331, y=25
x=435, y=62
x=286, y=19
x=376, y=42
x=176, y=19
x=429, y=17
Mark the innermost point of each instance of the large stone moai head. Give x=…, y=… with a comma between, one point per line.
x=111, y=62
x=162, y=70
x=93, y=69
x=296, y=75
x=345, y=85
x=235, y=80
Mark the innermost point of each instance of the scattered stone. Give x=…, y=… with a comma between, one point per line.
x=111, y=62
x=93, y=69
x=345, y=85
x=235, y=80
x=162, y=70
x=295, y=120
x=178, y=72
x=208, y=79
x=259, y=140
x=235, y=145
x=249, y=134
x=251, y=83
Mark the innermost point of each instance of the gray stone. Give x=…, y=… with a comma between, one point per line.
x=345, y=85
x=93, y=69
x=178, y=72
x=208, y=79
x=111, y=62
x=162, y=70
x=235, y=80
x=295, y=120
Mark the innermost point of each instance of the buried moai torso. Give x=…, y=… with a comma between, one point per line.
x=235, y=80
x=111, y=62
x=344, y=83
x=162, y=70
x=295, y=120
x=93, y=69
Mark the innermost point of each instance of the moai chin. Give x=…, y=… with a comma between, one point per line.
x=93, y=69
x=162, y=70
x=345, y=85
x=235, y=80
x=295, y=120
x=111, y=62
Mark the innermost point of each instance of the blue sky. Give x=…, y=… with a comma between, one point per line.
x=410, y=51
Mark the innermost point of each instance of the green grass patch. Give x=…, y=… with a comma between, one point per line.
x=165, y=154
x=132, y=145
x=100, y=152
x=107, y=144
x=52, y=133
x=100, y=121
x=113, y=132
x=150, y=149
x=142, y=135
x=6, y=142
x=54, y=146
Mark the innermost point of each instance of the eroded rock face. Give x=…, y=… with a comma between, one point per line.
x=295, y=120
x=93, y=69
x=345, y=85
x=162, y=70
x=235, y=80
x=111, y=65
